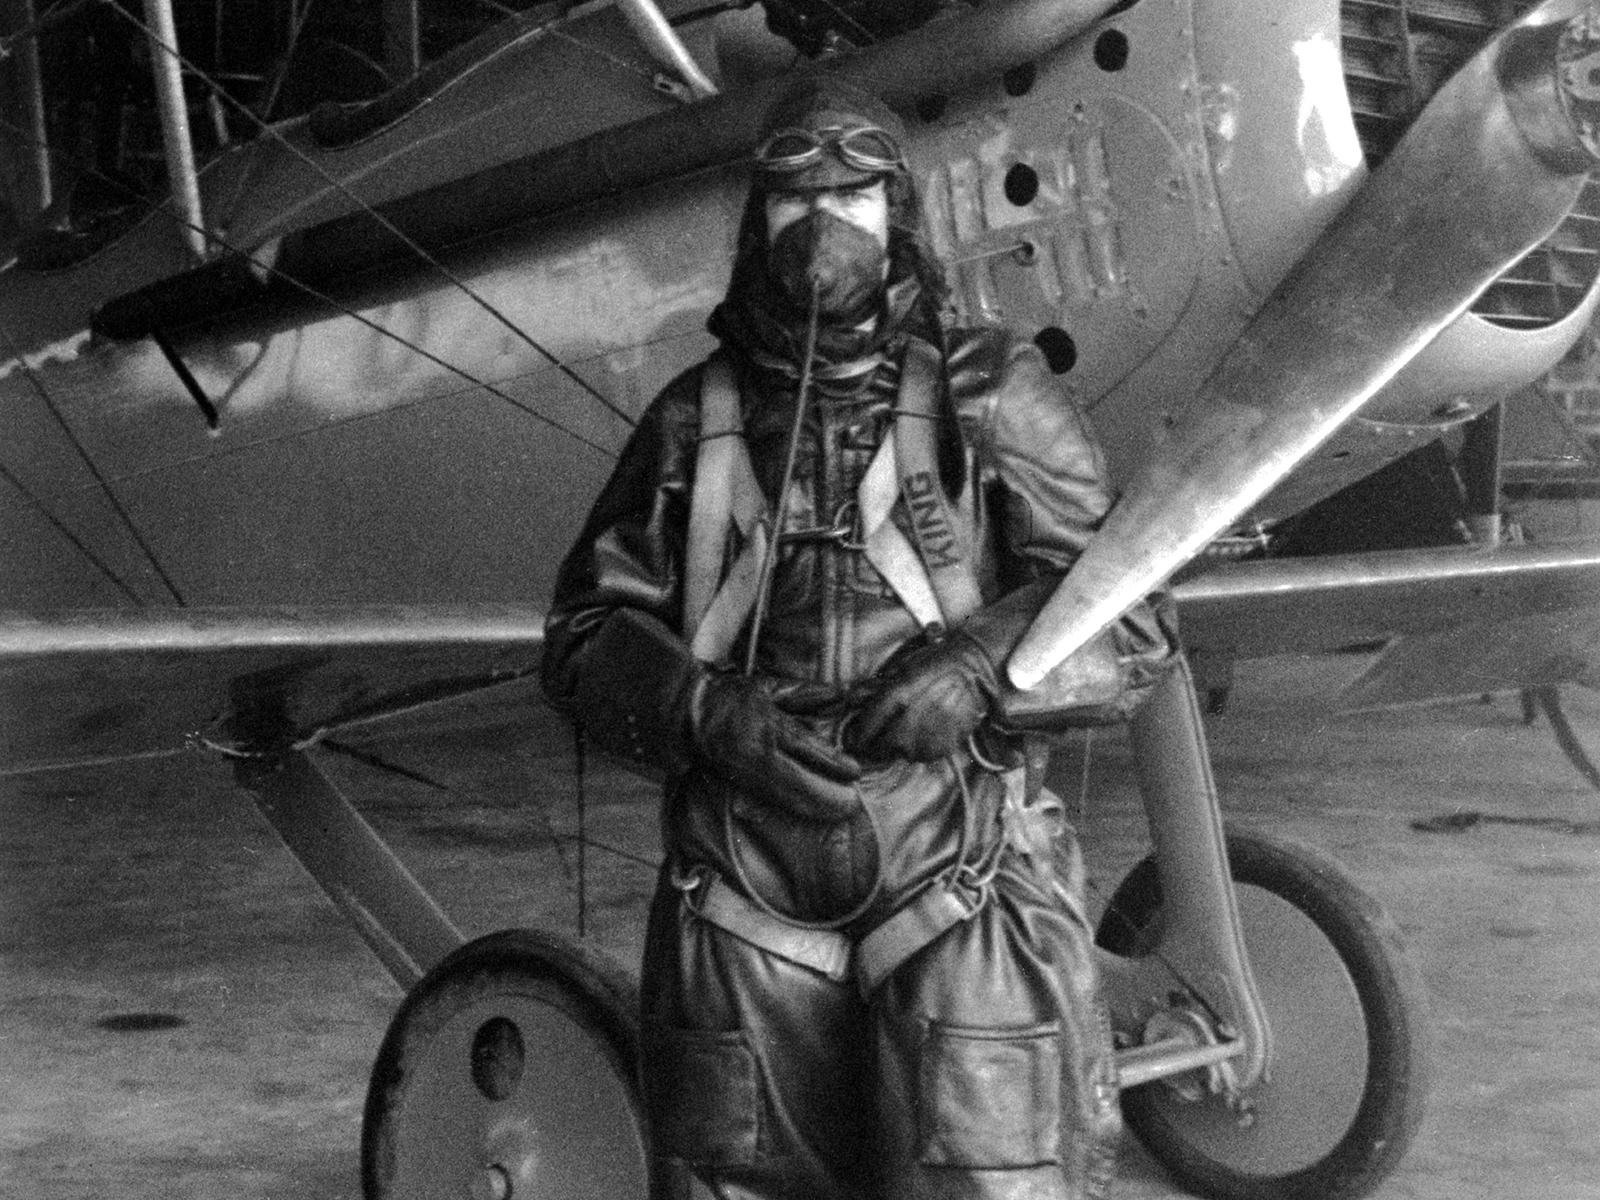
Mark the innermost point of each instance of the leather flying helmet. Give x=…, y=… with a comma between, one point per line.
x=827, y=133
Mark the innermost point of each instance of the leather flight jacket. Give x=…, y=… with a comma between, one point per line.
x=1022, y=475
x=1015, y=457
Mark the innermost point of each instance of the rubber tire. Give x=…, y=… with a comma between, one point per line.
x=589, y=994
x=1394, y=1010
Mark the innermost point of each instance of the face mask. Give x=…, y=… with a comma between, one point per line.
x=845, y=261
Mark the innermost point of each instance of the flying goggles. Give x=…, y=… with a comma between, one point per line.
x=864, y=148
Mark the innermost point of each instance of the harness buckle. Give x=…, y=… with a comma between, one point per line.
x=972, y=885
x=844, y=530
x=690, y=880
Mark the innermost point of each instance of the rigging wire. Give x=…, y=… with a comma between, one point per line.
x=384, y=222
x=52, y=17
x=654, y=864
x=606, y=56
x=94, y=470
x=95, y=560
x=322, y=298
x=270, y=100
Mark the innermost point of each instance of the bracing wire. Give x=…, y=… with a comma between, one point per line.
x=606, y=56
x=94, y=559
x=99, y=477
x=302, y=14
x=45, y=21
x=324, y=299
x=384, y=222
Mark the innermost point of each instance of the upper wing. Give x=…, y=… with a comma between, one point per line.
x=84, y=686
x=1458, y=620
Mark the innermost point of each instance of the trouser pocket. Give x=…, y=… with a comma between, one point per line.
x=991, y=1098
x=701, y=1090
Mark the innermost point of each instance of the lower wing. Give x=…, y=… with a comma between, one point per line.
x=89, y=686
x=1454, y=620
x=86, y=686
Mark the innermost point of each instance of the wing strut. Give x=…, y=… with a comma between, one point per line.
x=186, y=377
x=391, y=911
x=651, y=28
x=167, y=68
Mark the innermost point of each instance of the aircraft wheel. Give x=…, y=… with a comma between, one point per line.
x=1345, y=1088
x=509, y=1074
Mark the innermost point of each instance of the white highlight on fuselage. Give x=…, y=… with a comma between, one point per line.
x=1324, y=129
x=63, y=350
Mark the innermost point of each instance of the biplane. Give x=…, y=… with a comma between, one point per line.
x=302, y=405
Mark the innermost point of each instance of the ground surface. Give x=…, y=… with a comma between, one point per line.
x=183, y=1015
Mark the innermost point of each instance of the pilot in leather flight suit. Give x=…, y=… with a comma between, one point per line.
x=864, y=975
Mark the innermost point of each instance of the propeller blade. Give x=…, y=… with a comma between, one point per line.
x=1485, y=174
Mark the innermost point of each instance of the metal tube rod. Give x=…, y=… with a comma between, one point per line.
x=391, y=911
x=36, y=156
x=665, y=46
x=168, y=73
x=1479, y=465
x=1202, y=937
x=1173, y=1056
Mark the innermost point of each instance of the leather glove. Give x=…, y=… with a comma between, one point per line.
x=642, y=694
x=741, y=732
x=925, y=702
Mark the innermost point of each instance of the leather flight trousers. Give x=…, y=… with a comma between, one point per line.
x=982, y=1069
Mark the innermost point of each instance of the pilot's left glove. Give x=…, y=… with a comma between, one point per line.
x=931, y=697
x=926, y=702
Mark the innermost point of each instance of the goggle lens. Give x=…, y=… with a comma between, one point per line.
x=865, y=147
x=870, y=149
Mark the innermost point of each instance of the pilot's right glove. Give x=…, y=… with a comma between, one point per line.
x=642, y=694
x=740, y=730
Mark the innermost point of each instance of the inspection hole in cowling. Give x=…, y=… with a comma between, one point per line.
x=1060, y=351
x=140, y=1022
x=1111, y=50
x=1021, y=184
x=498, y=1058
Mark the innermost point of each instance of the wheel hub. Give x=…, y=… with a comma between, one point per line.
x=509, y=1074
x=1186, y=1025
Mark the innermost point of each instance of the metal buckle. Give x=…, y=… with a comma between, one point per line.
x=842, y=531
x=972, y=884
x=687, y=881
